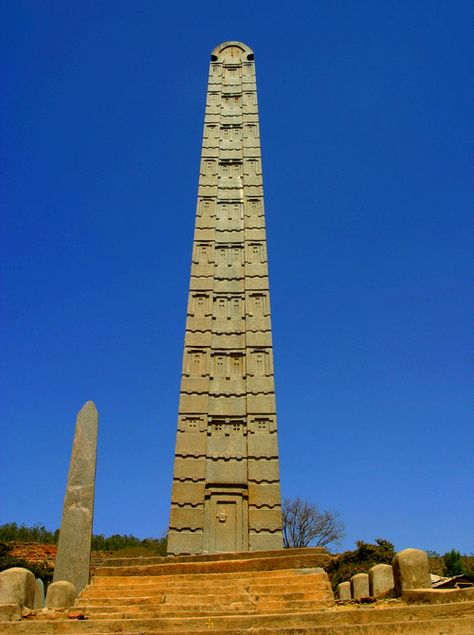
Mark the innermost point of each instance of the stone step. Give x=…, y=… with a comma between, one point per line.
x=456, y=618
x=283, y=574
x=229, y=565
x=204, y=599
x=211, y=557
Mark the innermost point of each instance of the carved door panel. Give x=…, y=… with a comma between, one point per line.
x=226, y=526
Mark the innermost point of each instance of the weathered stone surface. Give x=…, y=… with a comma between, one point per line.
x=227, y=377
x=74, y=546
x=10, y=612
x=380, y=579
x=343, y=591
x=411, y=570
x=359, y=585
x=438, y=596
x=39, y=594
x=60, y=595
x=17, y=586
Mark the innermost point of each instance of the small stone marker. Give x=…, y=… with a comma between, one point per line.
x=74, y=545
x=411, y=570
x=343, y=591
x=380, y=580
x=39, y=594
x=60, y=595
x=360, y=585
x=17, y=586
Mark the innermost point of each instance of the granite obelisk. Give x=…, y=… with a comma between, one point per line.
x=74, y=546
x=226, y=484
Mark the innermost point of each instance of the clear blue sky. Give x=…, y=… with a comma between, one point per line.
x=366, y=139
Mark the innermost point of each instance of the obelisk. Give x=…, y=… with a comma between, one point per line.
x=226, y=484
x=75, y=535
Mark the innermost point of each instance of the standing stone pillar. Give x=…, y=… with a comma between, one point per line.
x=74, y=546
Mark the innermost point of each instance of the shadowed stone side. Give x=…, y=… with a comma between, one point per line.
x=74, y=546
x=343, y=591
x=39, y=594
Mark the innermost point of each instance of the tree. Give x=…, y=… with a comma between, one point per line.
x=453, y=564
x=305, y=524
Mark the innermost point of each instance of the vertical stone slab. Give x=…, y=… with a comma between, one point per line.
x=360, y=585
x=74, y=546
x=380, y=580
x=343, y=591
x=60, y=595
x=39, y=594
x=411, y=570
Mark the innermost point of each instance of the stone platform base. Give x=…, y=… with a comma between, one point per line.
x=269, y=592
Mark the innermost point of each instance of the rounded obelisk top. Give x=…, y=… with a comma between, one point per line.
x=232, y=52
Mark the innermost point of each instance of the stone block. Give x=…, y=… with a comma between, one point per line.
x=260, y=385
x=261, y=404
x=193, y=403
x=266, y=470
x=39, y=594
x=227, y=406
x=184, y=542
x=191, y=443
x=380, y=580
x=265, y=541
x=262, y=446
x=17, y=586
x=187, y=492
x=265, y=519
x=229, y=471
x=411, y=571
x=60, y=595
x=187, y=518
x=190, y=468
x=343, y=591
x=360, y=586
x=261, y=495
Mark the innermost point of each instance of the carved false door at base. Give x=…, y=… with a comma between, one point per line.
x=227, y=521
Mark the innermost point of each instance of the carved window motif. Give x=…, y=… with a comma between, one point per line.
x=237, y=133
x=250, y=99
x=255, y=252
x=262, y=425
x=258, y=305
x=220, y=365
x=208, y=167
x=236, y=365
x=221, y=308
x=222, y=255
x=237, y=171
x=210, y=131
x=203, y=253
x=205, y=206
x=213, y=99
x=196, y=363
x=200, y=304
x=235, y=306
x=236, y=255
x=251, y=131
x=252, y=167
x=232, y=72
x=253, y=207
x=259, y=360
x=216, y=70
x=231, y=102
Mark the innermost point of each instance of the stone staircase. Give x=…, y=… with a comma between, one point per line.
x=265, y=593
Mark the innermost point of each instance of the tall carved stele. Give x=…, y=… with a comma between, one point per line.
x=226, y=483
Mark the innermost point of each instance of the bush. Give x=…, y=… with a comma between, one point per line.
x=452, y=563
x=361, y=560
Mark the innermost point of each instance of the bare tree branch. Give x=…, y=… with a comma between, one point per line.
x=305, y=524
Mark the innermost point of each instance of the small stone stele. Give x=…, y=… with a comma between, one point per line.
x=60, y=595
x=39, y=594
x=380, y=580
x=17, y=586
x=343, y=591
x=360, y=585
x=411, y=570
